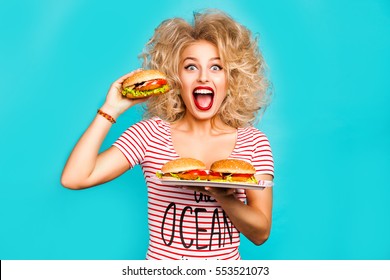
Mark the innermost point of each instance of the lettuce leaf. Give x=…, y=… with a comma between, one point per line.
x=145, y=93
x=175, y=176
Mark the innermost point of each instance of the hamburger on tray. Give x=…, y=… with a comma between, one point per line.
x=184, y=169
x=232, y=170
x=145, y=83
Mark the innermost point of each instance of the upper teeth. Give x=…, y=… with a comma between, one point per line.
x=203, y=91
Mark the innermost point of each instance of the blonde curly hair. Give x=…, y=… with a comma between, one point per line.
x=240, y=57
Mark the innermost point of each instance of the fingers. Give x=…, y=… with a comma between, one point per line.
x=214, y=192
x=140, y=100
x=119, y=81
x=117, y=85
x=220, y=191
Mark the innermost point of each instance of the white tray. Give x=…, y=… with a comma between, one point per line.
x=261, y=184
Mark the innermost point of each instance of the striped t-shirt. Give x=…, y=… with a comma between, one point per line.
x=184, y=224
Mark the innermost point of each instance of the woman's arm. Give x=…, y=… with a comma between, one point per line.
x=85, y=166
x=252, y=219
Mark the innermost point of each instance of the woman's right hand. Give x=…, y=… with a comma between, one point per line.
x=116, y=103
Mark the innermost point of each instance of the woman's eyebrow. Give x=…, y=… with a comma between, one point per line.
x=189, y=58
x=193, y=58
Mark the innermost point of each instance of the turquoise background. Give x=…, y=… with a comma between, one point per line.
x=328, y=124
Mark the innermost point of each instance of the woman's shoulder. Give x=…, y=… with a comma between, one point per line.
x=251, y=130
x=253, y=136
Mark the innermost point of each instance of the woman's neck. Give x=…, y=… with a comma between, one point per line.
x=201, y=127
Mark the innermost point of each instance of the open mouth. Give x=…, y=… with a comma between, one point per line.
x=203, y=98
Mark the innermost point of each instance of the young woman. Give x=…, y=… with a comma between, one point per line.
x=218, y=85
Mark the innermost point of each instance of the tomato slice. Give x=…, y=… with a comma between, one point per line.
x=161, y=81
x=152, y=84
x=155, y=82
x=196, y=172
x=214, y=175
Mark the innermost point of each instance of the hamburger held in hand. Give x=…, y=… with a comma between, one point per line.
x=145, y=83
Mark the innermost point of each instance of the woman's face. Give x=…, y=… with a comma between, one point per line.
x=203, y=80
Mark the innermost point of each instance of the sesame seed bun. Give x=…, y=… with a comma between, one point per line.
x=233, y=166
x=145, y=83
x=142, y=76
x=182, y=164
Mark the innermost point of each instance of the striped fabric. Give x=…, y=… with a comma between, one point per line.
x=184, y=224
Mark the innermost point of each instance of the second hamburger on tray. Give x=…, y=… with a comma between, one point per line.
x=232, y=170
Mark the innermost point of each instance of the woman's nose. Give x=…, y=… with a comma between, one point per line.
x=203, y=77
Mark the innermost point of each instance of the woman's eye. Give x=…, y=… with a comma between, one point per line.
x=216, y=68
x=190, y=67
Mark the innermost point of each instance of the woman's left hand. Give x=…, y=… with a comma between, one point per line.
x=214, y=192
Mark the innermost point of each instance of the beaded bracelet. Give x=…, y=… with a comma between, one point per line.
x=107, y=116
